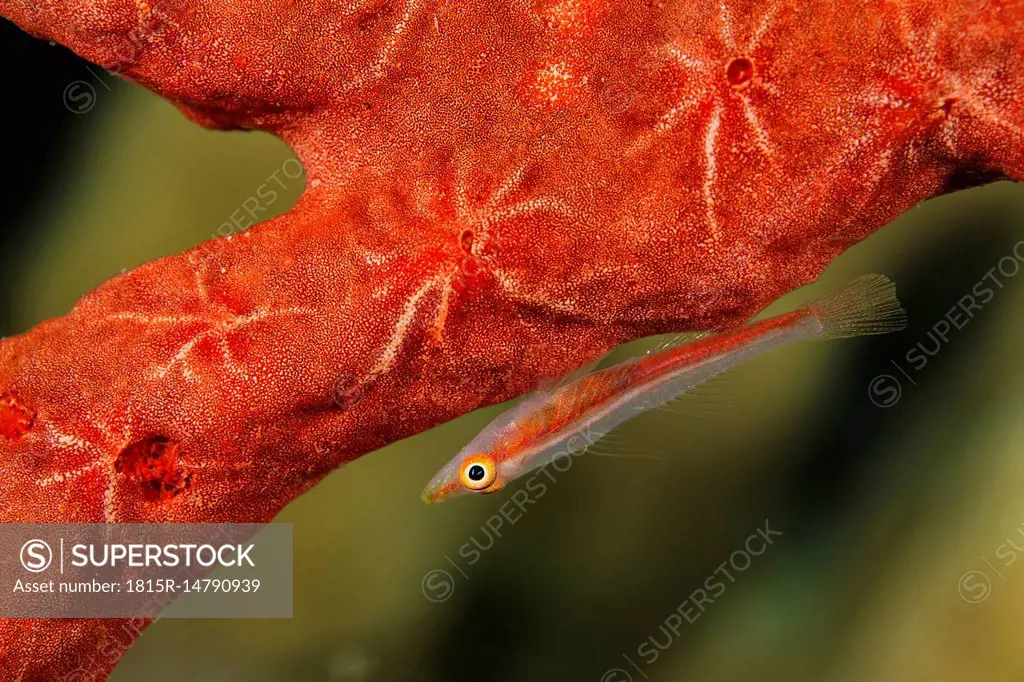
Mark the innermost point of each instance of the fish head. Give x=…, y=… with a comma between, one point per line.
x=489, y=464
x=468, y=472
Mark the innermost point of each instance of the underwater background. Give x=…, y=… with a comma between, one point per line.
x=879, y=478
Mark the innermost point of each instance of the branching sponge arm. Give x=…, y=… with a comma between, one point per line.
x=498, y=193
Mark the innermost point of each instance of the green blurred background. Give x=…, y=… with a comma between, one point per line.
x=892, y=517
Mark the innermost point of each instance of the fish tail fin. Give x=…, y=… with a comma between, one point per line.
x=867, y=305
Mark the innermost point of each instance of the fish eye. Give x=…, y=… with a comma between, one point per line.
x=478, y=473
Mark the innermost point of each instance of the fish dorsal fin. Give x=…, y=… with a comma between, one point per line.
x=549, y=385
x=546, y=387
x=675, y=340
x=710, y=397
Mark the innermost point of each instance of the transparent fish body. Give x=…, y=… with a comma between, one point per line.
x=569, y=417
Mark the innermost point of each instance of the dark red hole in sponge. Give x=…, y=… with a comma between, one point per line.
x=740, y=71
x=155, y=462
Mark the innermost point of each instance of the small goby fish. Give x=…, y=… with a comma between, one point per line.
x=544, y=425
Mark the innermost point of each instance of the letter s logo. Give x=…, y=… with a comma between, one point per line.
x=36, y=556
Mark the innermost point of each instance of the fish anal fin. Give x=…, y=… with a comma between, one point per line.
x=712, y=397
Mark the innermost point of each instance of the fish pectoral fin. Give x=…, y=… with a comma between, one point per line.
x=616, y=444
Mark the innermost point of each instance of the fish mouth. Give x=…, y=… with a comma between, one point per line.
x=438, y=490
x=443, y=485
x=430, y=496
